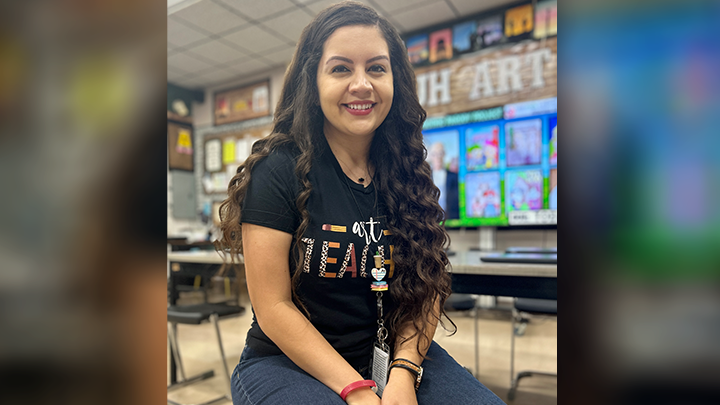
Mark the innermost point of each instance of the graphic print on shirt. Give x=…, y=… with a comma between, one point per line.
x=370, y=232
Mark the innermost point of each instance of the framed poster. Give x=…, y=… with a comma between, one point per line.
x=545, y=19
x=519, y=21
x=242, y=103
x=441, y=45
x=489, y=32
x=417, y=48
x=463, y=37
x=180, y=146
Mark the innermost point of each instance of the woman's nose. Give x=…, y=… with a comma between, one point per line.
x=360, y=83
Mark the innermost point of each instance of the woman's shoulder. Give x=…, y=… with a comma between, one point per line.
x=281, y=159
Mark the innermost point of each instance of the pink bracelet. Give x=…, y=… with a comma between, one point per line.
x=357, y=384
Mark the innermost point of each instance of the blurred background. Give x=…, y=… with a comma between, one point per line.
x=83, y=208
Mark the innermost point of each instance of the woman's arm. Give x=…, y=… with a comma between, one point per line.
x=400, y=388
x=266, y=253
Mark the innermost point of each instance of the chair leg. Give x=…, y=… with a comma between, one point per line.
x=172, y=334
x=513, y=380
x=184, y=381
x=214, y=320
x=477, y=344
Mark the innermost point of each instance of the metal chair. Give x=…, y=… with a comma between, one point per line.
x=195, y=315
x=466, y=302
x=523, y=309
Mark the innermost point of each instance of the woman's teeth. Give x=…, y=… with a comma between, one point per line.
x=359, y=106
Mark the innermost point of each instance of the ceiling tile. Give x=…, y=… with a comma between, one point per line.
x=210, y=17
x=176, y=70
x=217, y=52
x=187, y=63
x=179, y=34
x=405, y=5
x=259, y=9
x=424, y=16
x=174, y=74
x=280, y=56
x=468, y=7
x=215, y=77
x=191, y=83
x=291, y=24
x=254, y=39
x=244, y=67
x=318, y=6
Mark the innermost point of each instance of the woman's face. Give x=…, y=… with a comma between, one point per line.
x=355, y=81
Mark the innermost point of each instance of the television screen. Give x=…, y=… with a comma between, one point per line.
x=500, y=172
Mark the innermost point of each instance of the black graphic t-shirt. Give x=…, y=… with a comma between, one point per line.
x=347, y=228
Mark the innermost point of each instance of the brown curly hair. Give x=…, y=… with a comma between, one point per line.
x=402, y=176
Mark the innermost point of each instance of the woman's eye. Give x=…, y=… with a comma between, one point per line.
x=339, y=68
x=377, y=68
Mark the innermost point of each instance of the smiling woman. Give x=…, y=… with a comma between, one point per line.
x=338, y=220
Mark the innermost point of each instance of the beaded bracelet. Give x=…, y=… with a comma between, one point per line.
x=355, y=385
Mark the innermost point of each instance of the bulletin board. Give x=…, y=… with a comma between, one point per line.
x=223, y=153
x=180, y=146
x=242, y=103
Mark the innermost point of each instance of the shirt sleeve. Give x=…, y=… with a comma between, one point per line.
x=270, y=197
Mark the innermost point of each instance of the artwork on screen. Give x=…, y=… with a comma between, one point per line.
x=552, y=142
x=523, y=141
x=444, y=156
x=481, y=147
x=552, y=196
x=523, y=190
x=482, y=193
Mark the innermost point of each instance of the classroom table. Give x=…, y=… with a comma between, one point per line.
x=470, y=275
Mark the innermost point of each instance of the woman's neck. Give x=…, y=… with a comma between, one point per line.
x=352, y=152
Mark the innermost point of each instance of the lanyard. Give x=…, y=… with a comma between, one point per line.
x=378, y=273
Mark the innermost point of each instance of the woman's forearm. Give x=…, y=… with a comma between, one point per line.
x=293, y=333
x=409, y=349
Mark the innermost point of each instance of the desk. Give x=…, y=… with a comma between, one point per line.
x=185, y=265
x=470, y=275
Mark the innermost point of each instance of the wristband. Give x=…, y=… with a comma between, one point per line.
x=406, y=360
x=411, y=367
x=357, y=384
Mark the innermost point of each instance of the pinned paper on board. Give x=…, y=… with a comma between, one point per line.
x=219, y=181
x=213, y=155
x=184, y=142
x=229, y=151
x=242, y=150
x=230, y=171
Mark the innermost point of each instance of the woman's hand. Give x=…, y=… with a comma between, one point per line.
x=400, y=389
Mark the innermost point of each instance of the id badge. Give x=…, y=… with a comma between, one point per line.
x=381, y=362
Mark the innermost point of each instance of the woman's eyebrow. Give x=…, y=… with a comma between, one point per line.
x=346, y=60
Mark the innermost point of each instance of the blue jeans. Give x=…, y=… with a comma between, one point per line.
x=271, y=380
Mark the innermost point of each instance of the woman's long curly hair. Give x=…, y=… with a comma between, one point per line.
x=402, y=176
